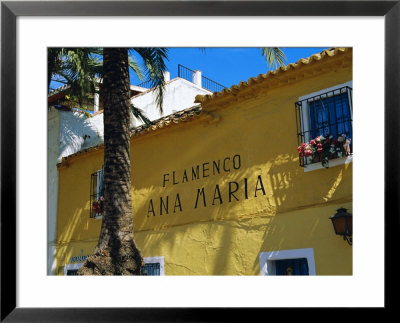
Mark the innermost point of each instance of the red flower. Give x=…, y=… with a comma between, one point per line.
x=312, y=142
x=96, y=207
x=319, y=150
x=319, y=145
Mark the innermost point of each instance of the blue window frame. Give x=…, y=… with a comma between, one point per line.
x=151, y=269
x=296, y=267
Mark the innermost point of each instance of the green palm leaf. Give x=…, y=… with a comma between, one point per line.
x=80, y=68
x=274, y=56
x=139, y=114
x=136, y=68
x=154, y=60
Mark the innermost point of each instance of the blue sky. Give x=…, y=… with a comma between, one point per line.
x=228, y=66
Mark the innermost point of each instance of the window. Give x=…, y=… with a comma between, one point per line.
x=153, y=266
x=330, y=115
x=96, y=193
x=72, y=269
x=151, y=269
x=298, y=262
x=72, y=272
x=295, y=267
x=326, y=115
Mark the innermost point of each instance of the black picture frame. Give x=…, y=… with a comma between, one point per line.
x=10, y=10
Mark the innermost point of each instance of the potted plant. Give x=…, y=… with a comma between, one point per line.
x=322, y=149
x=97, y=205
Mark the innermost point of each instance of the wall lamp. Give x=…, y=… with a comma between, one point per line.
x=343, y=224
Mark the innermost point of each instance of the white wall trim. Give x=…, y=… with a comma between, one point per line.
x=53, y=138
x=154, y=260
x=267, y=265
x=51, y=258
x=72, y=267
x=332, y=163
x=332, y=88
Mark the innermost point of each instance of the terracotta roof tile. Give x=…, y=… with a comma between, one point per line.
x=177, y=117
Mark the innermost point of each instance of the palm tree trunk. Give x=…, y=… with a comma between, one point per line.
x=116, y=252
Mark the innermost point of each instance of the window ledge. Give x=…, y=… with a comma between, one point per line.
x=332, y=163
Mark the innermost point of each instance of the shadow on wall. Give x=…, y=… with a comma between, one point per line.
x=78, y=132
x=294, y=189
x=304, y=202
x=282, y=220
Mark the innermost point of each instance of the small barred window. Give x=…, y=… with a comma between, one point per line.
x=96, y=193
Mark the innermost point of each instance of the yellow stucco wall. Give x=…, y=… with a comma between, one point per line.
x=73, y=222
x=277, y=206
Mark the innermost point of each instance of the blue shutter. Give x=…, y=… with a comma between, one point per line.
x=331, y=116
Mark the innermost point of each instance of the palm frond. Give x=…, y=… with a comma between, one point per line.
x=140, y=115
x=136, y=68
x=154, y=60
x=274, y=56
x=80, y=68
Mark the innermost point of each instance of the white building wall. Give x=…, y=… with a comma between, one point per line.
x=53, y=134
x=179, y=94
x=78, y=132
